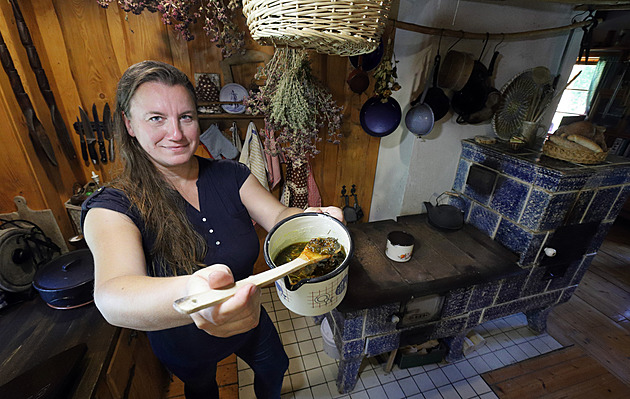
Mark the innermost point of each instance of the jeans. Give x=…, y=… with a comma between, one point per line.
x=195, y=363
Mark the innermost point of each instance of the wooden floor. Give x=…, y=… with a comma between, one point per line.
x=597, y=317
x=594, y=324
x=227, y=378
x=565, y=373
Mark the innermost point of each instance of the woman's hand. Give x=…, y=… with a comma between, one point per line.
x=237, y=315
x=333, y=211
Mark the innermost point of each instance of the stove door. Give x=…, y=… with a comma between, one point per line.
x=421, y=310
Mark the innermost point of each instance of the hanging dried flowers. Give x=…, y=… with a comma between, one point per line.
x=385, y=75
x=296, y=105
x=218, y=18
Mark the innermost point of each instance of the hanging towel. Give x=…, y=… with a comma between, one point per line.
x=253, y=156
x=217, y=144
x=314, y=198
x=272, y=156
x=236, y=138
x=296, y=183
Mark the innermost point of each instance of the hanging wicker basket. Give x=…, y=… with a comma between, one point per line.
x=338, y=27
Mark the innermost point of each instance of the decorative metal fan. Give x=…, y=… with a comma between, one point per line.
x=517, y=95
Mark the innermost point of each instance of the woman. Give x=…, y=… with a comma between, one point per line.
x=166, y=215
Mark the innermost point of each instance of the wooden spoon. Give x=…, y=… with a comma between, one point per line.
x=312, y=253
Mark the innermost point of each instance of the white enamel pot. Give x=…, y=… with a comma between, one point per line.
x=319, y=295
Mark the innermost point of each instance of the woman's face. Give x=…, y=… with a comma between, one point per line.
x=163, y=119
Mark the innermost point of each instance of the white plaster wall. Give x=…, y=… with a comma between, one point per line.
x=411, y=170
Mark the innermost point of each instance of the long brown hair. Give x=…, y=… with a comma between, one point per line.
x=178, y=247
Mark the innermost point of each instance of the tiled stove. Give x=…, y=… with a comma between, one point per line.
x=532, y=205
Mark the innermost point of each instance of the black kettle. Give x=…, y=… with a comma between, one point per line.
x=445, y=216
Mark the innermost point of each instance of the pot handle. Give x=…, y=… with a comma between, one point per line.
x=66, y=266
x=462, y=119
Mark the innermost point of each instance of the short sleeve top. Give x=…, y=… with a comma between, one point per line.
x=223, y=220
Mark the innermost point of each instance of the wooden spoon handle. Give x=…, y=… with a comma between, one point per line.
x=196, y=302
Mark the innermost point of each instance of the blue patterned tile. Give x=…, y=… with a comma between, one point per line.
x=460, y=175
x=518, y=168
x=483, y=295
x=481, y=155
x=521, y=305
x=474, y=319
x=348, y=374
x=352, y=349
x=509, y=197
x=598, y=239
x=483, y=219
x=450, y=327
x=582, y=269
x=579, y=207
x=572, y=182
x=511, y=288
x=567, y=293
x=529, y=255
x=381, y=344
x=455, y=302
x=350, y=325
x=513, y=236
x=616, y=176
x=595, y=179
x=547, y=179
x=378, y=319
x=619, y=203
x=601, y=204
x=537, y=281
x=545, y=211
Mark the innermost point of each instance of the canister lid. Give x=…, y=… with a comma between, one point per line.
x=400, y=238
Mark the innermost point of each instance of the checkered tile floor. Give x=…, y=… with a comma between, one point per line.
x=312, y=373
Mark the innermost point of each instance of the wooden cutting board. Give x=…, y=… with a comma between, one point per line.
x=45, y=219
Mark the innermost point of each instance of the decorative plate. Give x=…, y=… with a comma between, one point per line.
x=233, y=92
x=517, y=95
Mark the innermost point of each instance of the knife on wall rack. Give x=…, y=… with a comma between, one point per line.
x=78, y=127
x=90, y=138
x=107, y=130
x=99, y=135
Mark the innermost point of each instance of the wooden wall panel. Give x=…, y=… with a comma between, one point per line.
x=84, y=50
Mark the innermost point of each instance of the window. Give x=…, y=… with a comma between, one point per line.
x=574, y=100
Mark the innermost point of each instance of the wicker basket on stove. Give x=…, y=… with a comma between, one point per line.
x=339, y=27
x=585, y=156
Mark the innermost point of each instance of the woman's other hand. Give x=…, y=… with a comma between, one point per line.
x=237, y=315
x=333, y=211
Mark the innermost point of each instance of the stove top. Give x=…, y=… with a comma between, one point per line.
x=442, y=260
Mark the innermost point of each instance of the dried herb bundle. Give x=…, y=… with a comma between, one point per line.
x=217, y=15
x=296, y=104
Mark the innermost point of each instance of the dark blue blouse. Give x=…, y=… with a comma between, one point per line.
x=223, y=220
x=229, y=232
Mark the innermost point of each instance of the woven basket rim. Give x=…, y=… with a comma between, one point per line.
x=577, y=156
x=342, y=27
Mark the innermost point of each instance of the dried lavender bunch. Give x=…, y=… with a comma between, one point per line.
x=296, y=104
x=218, y=19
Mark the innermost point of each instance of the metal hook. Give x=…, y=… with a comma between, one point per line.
x=457, y=41
x=485, y=43
x=497, y=45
